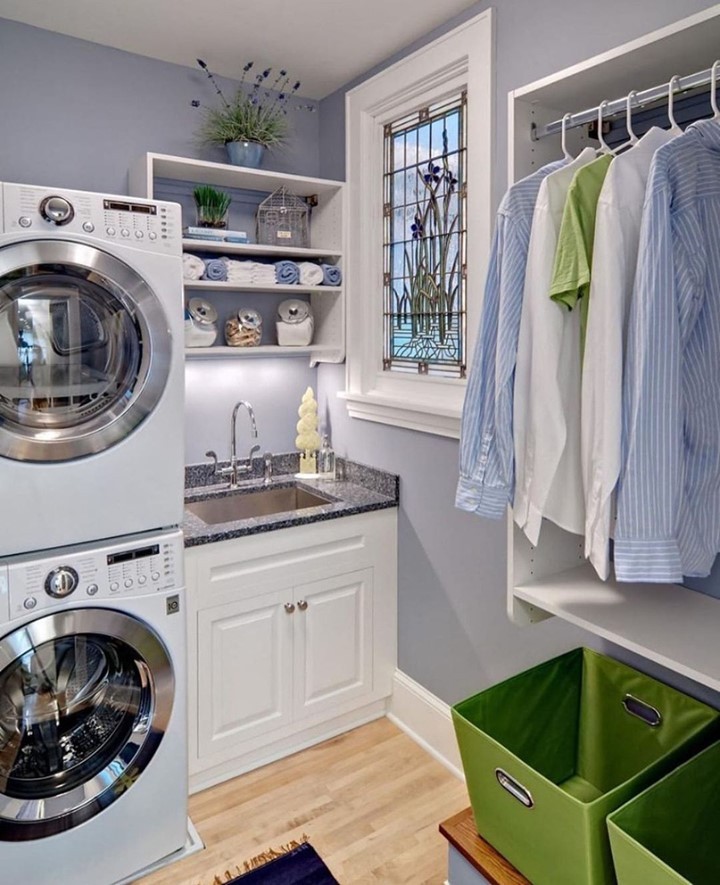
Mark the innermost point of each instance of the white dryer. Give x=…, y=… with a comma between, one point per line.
x=91, y=367
x=93, y=731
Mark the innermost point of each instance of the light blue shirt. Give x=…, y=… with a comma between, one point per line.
x=669, y=493
x=487, y=472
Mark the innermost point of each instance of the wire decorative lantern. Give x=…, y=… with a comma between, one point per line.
x=283, y=219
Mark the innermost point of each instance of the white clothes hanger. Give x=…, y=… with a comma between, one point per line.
x=674, y=128
x=633, y=139
x=713, y=90
x=628, y=118
x=563, y=138
x=604, y=146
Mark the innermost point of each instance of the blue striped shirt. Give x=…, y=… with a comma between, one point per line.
x=669, y=492
x=487, y=471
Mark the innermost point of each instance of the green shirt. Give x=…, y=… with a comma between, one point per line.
x=573, y=256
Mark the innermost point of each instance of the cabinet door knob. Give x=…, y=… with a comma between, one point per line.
x=302, y=605
x=289, y=607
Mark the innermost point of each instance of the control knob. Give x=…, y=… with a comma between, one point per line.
x=56, y=209
x=61, y=582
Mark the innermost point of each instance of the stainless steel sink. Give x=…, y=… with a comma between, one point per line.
x=262, y=503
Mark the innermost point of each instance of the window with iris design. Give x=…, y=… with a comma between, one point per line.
x=424, y=241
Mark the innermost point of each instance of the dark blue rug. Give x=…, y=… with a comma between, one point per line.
x=300, y=866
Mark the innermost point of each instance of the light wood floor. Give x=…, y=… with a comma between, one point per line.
x=370, y=802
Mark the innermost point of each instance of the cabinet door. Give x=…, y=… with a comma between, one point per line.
x=244, y=671
x=333, y=642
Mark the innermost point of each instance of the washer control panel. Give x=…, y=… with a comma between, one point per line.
x=150, y=225
x=73, y=575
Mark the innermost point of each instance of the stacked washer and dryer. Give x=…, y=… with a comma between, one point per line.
x=93, y=736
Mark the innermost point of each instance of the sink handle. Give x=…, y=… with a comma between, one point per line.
x=211, y=454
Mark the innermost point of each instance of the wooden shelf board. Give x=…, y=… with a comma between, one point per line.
x=666, y=623
x=256, y=249
x=460, y=832
x=211, y=285
x=225, y=175
x=267, y=350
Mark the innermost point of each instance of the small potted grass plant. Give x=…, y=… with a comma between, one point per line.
x=212, y=207
x=254, y=119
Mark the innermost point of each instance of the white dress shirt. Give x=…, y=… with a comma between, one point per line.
x=615, y=250
x=548, y=480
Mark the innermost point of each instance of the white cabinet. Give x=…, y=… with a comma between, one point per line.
x=326, y=245
x=671, y=625
x=244, y=669
x=292, y=639
x=333, y=642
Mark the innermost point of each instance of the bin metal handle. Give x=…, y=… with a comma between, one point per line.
x=642, y=710
x=516, y=790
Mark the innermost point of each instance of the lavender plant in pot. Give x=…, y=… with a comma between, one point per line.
x=254, y=119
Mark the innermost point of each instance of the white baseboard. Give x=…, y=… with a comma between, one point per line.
x=426, y=719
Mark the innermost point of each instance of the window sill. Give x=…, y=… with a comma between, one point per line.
x=425, y=416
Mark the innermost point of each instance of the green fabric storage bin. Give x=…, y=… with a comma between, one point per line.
x=671, y=832
x=548, y=754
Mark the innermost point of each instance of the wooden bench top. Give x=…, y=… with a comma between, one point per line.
x=460, y=832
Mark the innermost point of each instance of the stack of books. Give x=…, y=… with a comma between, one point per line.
x=215, y=235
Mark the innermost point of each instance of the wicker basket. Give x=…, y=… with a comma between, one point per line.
x=283, y=219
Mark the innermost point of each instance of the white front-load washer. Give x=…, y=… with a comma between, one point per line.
x=91, y=367
x=93, y=731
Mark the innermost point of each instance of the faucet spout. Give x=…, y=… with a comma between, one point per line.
x=234, y=469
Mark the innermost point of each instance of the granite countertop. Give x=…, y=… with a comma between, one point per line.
x=358, y=489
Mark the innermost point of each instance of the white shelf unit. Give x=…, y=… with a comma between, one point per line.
x=269, y=350
x=326, y=242
x=249, y=250
x=221, y=286
x=669, y=624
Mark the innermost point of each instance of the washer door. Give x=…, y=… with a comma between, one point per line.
x=85, y=699
x=84, y=350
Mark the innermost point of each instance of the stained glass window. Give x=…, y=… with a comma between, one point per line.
x=424, y=241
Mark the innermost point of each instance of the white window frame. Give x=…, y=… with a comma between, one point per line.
x=462, y=59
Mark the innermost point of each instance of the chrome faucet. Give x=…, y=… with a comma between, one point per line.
x=235, y=469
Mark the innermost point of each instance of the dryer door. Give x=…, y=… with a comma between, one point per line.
x=84, y=350
x=85, y=700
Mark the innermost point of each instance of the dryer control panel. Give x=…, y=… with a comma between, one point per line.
x=149, y=225
x=145, y=564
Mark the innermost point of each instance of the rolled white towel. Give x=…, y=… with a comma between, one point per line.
x=310, y=274
x=239, y=272
x=193, y=267
x=234, y=265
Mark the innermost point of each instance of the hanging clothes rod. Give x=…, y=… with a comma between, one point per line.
x=619, y=105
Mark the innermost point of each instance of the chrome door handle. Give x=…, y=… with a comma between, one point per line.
x=302, y=605
x=289, y=607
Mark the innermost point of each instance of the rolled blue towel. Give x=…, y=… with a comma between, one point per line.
x=287, y=273
x=332, y=275
x=215, y=269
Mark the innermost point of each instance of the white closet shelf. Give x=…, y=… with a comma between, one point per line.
x=251, y=249
x=265, y=350
x=671, y=625
x=219, y=286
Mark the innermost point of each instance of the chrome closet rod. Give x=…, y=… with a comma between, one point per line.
x=618, y=105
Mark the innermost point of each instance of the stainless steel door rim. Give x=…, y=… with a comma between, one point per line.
x=38, y=815
x=56, y=439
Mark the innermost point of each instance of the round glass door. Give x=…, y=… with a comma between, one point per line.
x=84, y=350
x=85, y=698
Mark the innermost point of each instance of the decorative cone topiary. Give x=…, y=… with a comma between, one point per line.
x=308, y=438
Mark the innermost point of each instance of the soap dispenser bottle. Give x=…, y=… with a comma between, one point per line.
x=326, y=460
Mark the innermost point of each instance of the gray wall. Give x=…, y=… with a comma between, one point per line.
x=75, y=114
x=454, y=634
